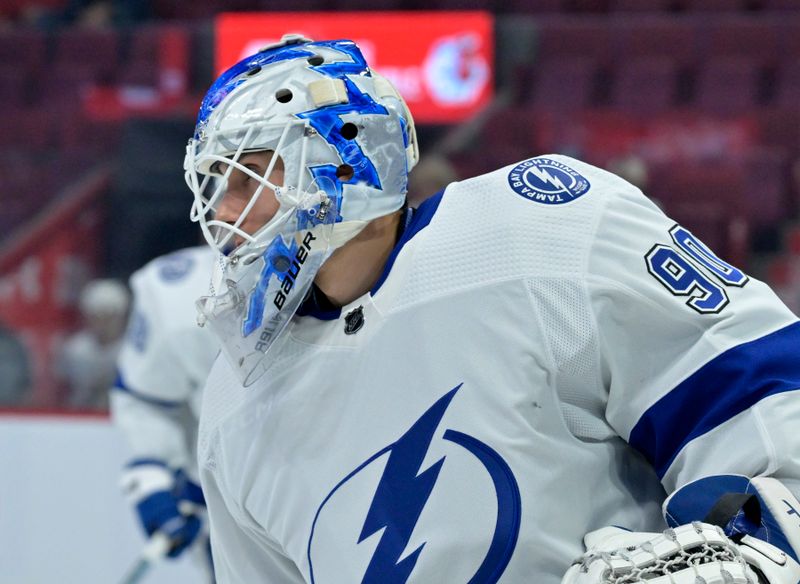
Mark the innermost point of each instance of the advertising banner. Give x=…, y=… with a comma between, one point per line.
x=441, y=62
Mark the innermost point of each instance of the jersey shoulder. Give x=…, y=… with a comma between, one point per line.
x=549, y=181
x=529, y=211
x=165, y=291
x=164, y=346
x=552, y=199
x=532, y=219
x=182, y=268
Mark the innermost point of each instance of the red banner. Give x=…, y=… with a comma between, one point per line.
x=441, y=62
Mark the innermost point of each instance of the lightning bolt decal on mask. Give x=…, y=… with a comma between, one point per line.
x=277, y=262
x=328, y=120
x=400, y=498
x=232, y=78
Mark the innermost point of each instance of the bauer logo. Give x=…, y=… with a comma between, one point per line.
x=547, y=181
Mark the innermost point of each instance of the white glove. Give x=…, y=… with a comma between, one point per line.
x=697, y=553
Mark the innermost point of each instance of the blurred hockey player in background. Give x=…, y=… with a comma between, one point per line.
x=156, y=399
x=472, y=390
x=87, y=362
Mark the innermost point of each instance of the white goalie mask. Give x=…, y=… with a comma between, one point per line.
x=346, y=141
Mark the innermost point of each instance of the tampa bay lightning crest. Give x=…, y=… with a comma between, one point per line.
x=381, y=520
x=547, y=181
x=175, y=267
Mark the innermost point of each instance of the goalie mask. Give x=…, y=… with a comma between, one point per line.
x=346, y=142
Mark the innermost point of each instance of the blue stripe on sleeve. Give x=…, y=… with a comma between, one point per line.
x=146, y=462
x=722, y=388
x=119, y=385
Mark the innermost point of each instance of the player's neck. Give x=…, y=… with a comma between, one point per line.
x=354, y=268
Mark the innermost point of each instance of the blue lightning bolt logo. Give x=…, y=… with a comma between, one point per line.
x=400, y=498
x=547, y=181
x=548, y=178
x=403, y=492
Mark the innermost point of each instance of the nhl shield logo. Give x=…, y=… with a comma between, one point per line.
x=547, y=181
x=354, y=321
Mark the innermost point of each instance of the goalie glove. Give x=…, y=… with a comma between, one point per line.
x=760, y=514
x=166, y=503
x=697, y=553
x=754, y=540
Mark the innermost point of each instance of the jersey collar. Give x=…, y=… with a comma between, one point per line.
x=413, y=221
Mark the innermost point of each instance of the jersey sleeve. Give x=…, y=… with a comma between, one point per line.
x=697, y=357
x=148, y=399
x=166, y=356
x=153, y=431
x=164, y=360
x=149, y=365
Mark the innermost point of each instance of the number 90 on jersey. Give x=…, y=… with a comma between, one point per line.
x=689, y=268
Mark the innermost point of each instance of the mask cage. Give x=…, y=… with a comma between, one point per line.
x=224, y=150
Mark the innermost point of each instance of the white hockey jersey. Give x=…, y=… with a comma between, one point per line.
x=165, y=359
x=545, y=354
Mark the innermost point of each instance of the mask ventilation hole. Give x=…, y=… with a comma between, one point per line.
x=254, y=71
x=283, y=95
x=344, y=172
x=349, y=131
x=315, y=60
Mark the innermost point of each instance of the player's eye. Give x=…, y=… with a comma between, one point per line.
x=254, y=169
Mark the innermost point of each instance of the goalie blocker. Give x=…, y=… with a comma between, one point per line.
x=750, y=533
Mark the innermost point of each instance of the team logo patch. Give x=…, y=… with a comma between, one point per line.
x=547, y=181
x=380, y=523
x=175, y=267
